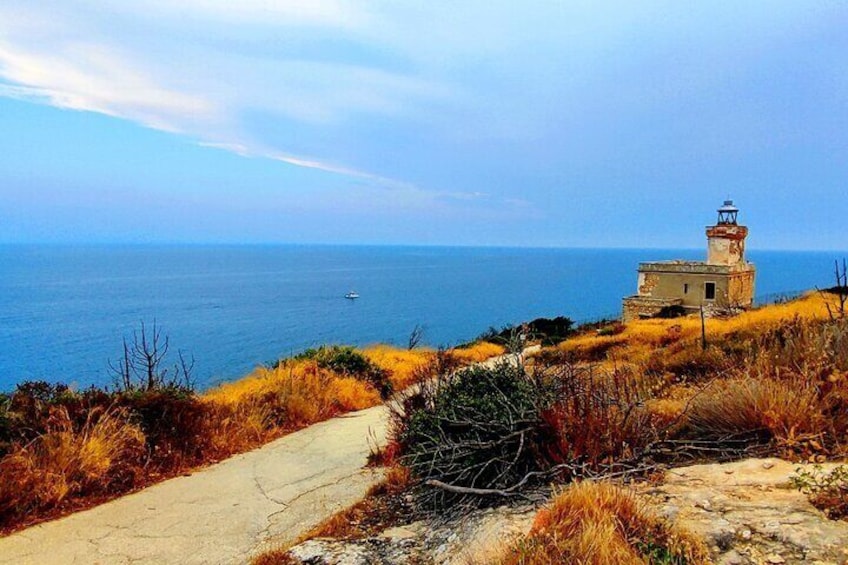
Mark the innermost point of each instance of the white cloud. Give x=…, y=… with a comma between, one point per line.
x=152, y=63
x=93, y=78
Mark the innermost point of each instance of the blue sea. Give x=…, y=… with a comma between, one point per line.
x=65, y=310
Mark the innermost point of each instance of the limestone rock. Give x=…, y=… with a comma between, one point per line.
x=749, y=513
x=371, y=551
x=476, y=536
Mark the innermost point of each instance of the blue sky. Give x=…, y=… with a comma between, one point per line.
x=618, y=124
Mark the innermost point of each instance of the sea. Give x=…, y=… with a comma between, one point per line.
x=65, y=310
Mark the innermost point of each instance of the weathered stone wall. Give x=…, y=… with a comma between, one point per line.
x=686, y=284
x=648, y=283
x=740, y=290
x=726, y=244
x=636, y=307
x=686, y=281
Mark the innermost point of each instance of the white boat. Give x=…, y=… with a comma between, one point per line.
x=351, y=295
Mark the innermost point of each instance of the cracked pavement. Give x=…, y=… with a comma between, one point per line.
x=224, y=513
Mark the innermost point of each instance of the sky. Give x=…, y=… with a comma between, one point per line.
x=572, y=124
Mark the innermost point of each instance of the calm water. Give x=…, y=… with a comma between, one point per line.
x=64, y=310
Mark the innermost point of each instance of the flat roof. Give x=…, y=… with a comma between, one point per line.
x=680, y=266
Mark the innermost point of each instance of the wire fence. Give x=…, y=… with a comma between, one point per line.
x=777, y=297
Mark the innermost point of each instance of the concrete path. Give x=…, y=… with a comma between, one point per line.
x=221, y=514
x=224, y=513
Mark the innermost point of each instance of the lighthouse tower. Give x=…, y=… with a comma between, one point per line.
x=726, y=239
x=723, y=283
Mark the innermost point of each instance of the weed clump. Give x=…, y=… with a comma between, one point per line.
x=789, y=393
x=597, y=523
x=598, y=419
x=828, y=491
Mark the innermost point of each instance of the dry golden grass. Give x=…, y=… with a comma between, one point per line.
x=641, y=338
x=655, y=332
x=341, y=525
x=591, y=347
x=599, y=524
x=789, y=411
x=403, y=365
x=296, y=393
x=271, y=401
x=66, y=461
x=666, y=412
x=106, y=454
x=396, y=480
x=477, y=352
x=278, y=556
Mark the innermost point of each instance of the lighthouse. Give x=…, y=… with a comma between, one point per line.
x=726, y=239
x=724, y=282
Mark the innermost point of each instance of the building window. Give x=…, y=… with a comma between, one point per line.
x=709, y=291
x=685, y=288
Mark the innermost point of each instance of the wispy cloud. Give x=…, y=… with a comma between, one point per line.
x=376, y=181
x=94, y=78
x=194, y=88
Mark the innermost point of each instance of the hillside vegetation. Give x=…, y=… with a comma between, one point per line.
x=613, y=402
x=62, y=449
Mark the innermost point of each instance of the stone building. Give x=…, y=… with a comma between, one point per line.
x=725, y=280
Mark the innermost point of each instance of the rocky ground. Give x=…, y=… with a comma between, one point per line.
x=747, y=512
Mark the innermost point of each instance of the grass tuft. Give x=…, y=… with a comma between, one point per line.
x=592, y=523
x=102, y=454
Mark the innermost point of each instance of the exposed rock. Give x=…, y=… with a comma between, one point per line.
x=748, y=513
x=479, y=537
x=371, y=551
x=472, y=538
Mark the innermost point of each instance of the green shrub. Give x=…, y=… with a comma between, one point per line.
x=478, y=428
x=347, y=361
x=549, y=331
x=827, y=491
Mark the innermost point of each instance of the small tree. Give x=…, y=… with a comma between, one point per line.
x=840, y=290
x=415, y=337
x=142, y=367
